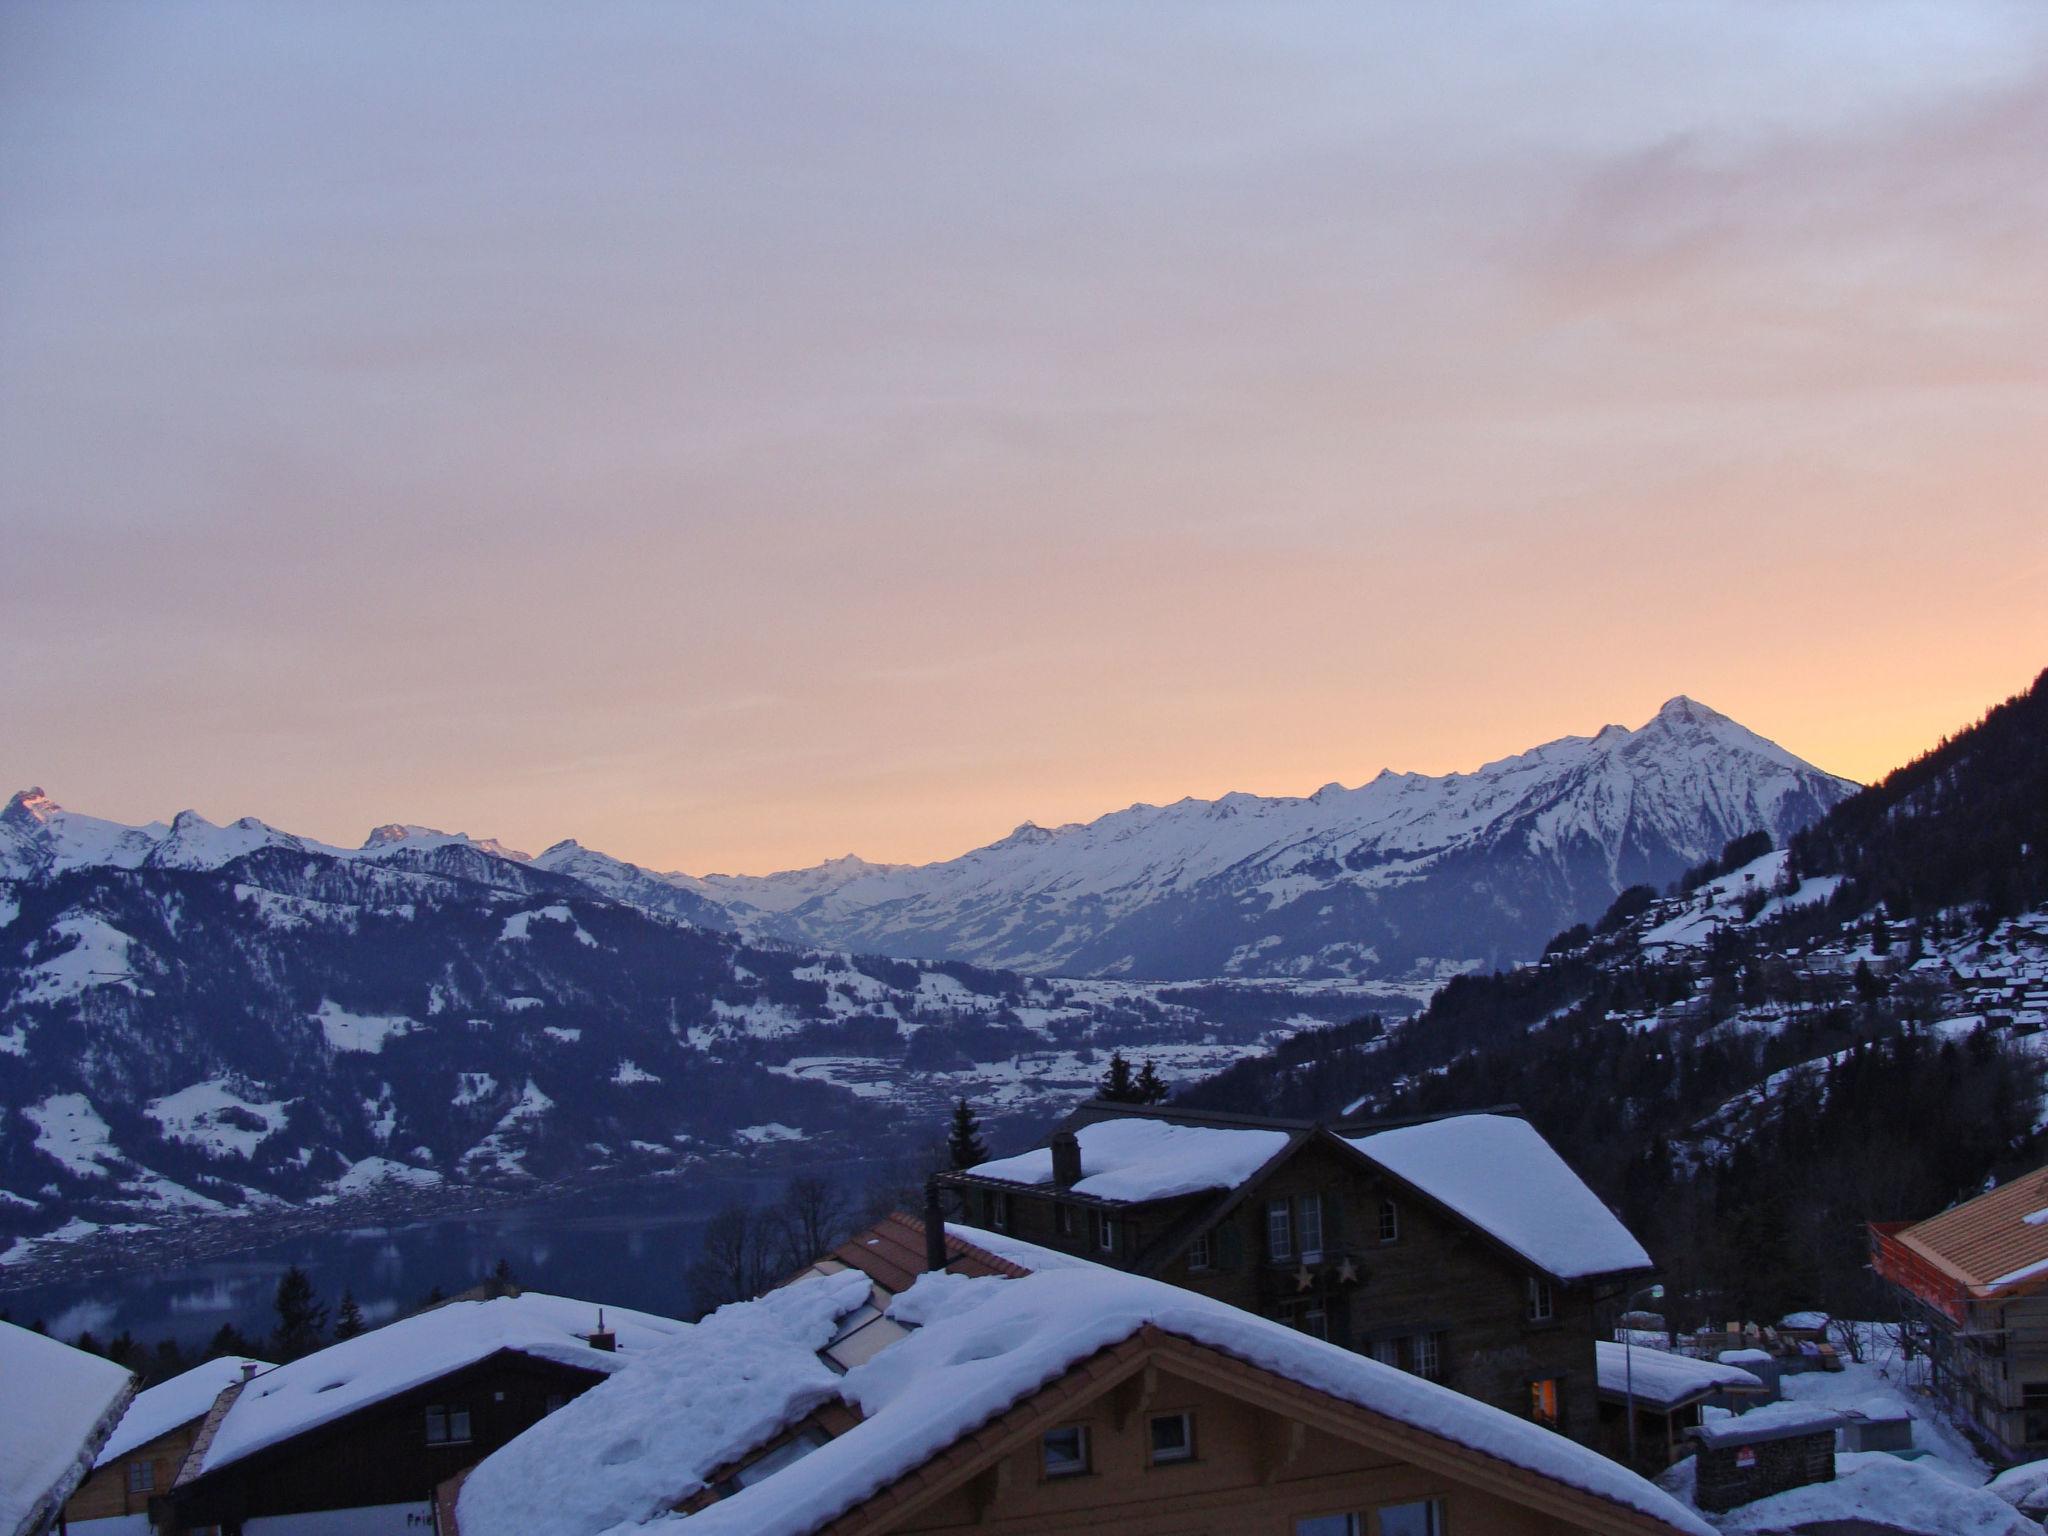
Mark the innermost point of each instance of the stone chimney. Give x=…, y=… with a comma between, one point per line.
x=603, y=1338
x=1066, y=1159
x=934, y=1227
x=248, y=1370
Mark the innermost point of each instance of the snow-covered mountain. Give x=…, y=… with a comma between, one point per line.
x=1405, y=876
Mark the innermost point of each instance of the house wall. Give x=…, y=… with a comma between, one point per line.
x=105, y=1494
x=1254, y=1473
x=1439, y=1278
x=381, y=1455
x=1986, y=1366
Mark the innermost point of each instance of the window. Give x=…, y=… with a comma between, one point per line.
x=1426, y=1356
x=999, y=1210
x=1279, y=1230
x=1198, y=1252
x=1063, y=1219
x=1387, y=1352
x=1390, y=1222
x=1543, y=1403
x=1330, y=1525
x=1105, y=1233
x=1425, y=1517
x=1173, y=1437
x=793, y=1449
x=447, y=1426
x=1308, y=1223
x=142, y=1477
x=1065, y=1450
x=1542, y=1303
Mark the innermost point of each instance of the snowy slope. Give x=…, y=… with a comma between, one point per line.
x=1407, y=875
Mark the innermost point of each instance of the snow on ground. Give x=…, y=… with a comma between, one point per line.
x=557, y=1032
x=1148, y=1159
x=97, y=956
x=1887, y=1494
x=348, y=1031
x=473, y=1088
x=1883, y=1376
x=519, y=926
x=372, y=1171
x=774, y=1130
x=171, y=1403
x=214, y=1115
x=61, y=1404
x=629, y=1073
x=69, y=1129
x=634, y=1446
x=498, y=1147
x=1498, y=1173
x=338, y=1380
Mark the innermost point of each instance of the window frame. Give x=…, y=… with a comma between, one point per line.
x=1432, y=1508
x=1063, y=1218
x=1390, y=1221
x=1426, y=1356
x=1084, y=1462
x=1185, y=1417
x=142, y=1475
x=1542, y=1301
x=1201, y=1253
x=1279, y=1230
x=1105, y=1232
x=1555, y=1418
x=1306, y=1207
x=445, y=1417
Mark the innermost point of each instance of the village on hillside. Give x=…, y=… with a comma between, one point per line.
x=1169, y=1319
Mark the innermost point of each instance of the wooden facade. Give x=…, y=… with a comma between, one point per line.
x=134, y=1483
x=1392, y=1272
x=391, y=1452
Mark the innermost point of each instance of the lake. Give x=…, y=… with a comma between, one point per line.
x=628, y=1245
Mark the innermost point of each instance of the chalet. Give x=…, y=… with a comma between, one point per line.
x=1069, y=1398
x=1977, y=1276
x=1461, y=1249
x=60, y=1406
x=141, y=1458
x=371, y=1425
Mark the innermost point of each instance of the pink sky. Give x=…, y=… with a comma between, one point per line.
x=738, y=436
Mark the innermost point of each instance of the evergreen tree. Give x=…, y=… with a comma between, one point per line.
x=1150, y=1087
x=230, y=1340
x=301, y=1316
x=964, y=1145
x=348, y=1321
x=1118, y=1086
x=501, y=1281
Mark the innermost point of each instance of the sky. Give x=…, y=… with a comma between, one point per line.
x=734, y=436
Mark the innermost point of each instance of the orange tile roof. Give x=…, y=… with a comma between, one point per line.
x=891, y=1253
x=1986, y=1240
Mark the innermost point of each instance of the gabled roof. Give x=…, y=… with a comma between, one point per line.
x=60, y=1405
x=891, y=1253
x=934, y=1405
x=1500, y=1175
x=345, y=1378
x=1996, y=1244
x=170, y=1404
x=1135, y=1159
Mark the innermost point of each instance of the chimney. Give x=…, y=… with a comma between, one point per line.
x=603, y=1338
x=248, y=1370
x=1066, y=1159
x=934, y=1227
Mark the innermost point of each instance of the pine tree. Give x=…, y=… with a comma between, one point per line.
x=1117, y=1085
x=301, y=1316
x=1150, y=1087
x=348, y=1321
x=501, y=1281
x=964, y=1145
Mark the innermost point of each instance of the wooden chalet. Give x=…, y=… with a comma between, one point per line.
x=1461, y=1249
x=132, y=1477
x=1977, y=1277
x=370, y=1426
x=1063, y=1400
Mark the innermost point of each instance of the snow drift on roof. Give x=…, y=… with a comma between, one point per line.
x=342, y=1378
x=171, y=1403
x=633, y=1446
x=1500, y=1175
x=1148, y=1159
x=1018, y=1252
x=986, y=1344
x=60, y=1404
x=1882, y=1492
x=1662, y=1379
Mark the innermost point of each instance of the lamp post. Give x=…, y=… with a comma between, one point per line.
x=1628, y=1359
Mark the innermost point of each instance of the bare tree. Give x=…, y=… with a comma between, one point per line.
x=811, y=1217
x=736, y=1259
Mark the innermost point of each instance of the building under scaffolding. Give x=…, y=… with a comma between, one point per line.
x=1975, y=1280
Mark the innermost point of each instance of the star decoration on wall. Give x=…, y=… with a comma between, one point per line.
x=1304, y=1278
x=1347, y=1272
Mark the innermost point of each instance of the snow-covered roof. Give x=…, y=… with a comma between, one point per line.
x=61, y=1403
x=1773, y=1421
x=171, y=1403
x=1504, y=1178
x=1877, y=1492
x=1141, y=1159
x=1018, y=1252
x=635, y=1445
x=342, y=1378
x=1664, y=1380
x=982, y=1345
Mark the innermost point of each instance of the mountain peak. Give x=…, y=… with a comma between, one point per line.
x=30, y=805
x=398, y=832
x=1682, y=710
